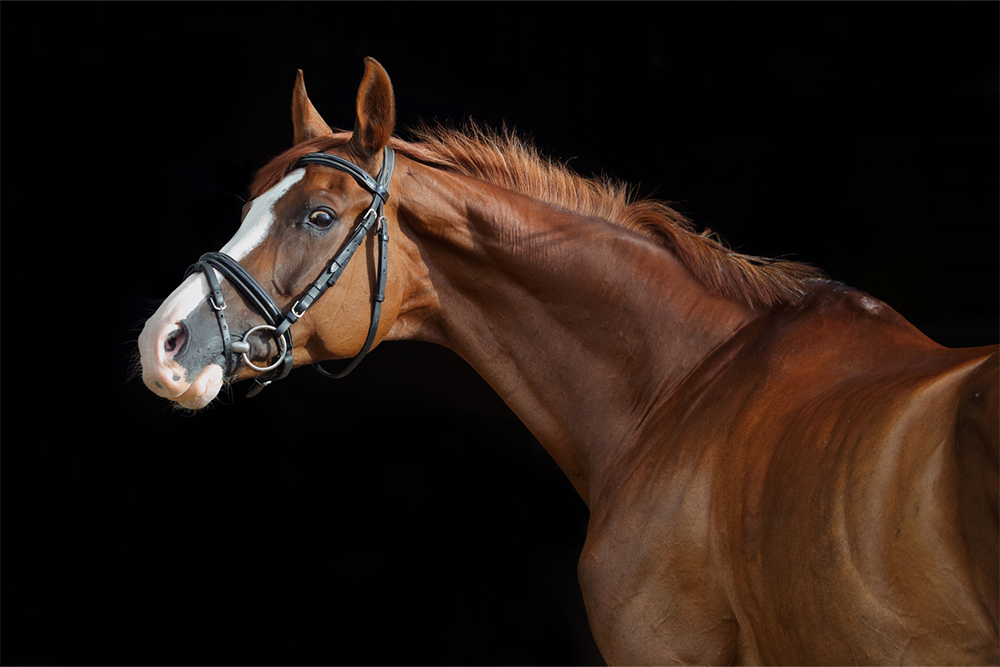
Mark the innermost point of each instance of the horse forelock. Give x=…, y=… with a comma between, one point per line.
x=505, y=159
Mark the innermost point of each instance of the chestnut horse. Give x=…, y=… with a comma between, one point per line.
x=779, y=468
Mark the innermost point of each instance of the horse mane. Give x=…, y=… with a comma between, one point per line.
x=504, y=159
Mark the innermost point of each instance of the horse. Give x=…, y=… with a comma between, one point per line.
x=779, y=468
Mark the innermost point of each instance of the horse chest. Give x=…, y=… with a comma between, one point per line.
x=649, y=577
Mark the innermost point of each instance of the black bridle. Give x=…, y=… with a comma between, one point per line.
x=280, y=323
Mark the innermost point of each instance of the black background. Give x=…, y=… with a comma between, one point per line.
x=403, y=515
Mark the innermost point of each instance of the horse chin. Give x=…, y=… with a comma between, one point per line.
x=203, y=390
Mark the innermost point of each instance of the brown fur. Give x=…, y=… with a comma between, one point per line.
x=504, y=159
x=808, y=485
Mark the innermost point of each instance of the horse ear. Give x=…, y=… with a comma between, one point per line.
x=376, y=112
x=306, y=120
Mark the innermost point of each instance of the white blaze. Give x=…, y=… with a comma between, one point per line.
x=258, y=221
x=160, y=371
x=254, y=229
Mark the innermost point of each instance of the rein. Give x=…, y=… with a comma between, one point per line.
x=280, y=323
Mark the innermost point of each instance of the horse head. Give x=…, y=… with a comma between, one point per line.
x=267, y=301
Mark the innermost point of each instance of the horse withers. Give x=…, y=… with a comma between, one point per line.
x=779, y=468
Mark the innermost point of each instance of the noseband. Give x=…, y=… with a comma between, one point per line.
x=280, y=323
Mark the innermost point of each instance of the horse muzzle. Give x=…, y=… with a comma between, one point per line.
x=181, y=349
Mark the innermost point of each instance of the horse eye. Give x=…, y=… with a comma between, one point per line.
x=321, y=218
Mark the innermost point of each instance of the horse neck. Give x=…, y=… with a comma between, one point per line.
x=578, y=324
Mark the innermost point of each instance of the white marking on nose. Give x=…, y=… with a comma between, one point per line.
x=159, y=366
x=259, y=219
x=165, y=320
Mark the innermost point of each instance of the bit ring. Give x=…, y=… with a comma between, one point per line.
x=281, y=354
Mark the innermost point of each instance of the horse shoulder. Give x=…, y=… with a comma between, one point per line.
x=857, y=529
x=851, y=531
x=651, y=570
x=786, y=498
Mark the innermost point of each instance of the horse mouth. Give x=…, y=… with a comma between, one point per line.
x=203, y=390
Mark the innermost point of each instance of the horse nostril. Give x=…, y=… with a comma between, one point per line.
x=174, y=339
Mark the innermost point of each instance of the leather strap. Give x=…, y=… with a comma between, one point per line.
x=265, y=304
x=383, y=235
x=218, y=304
